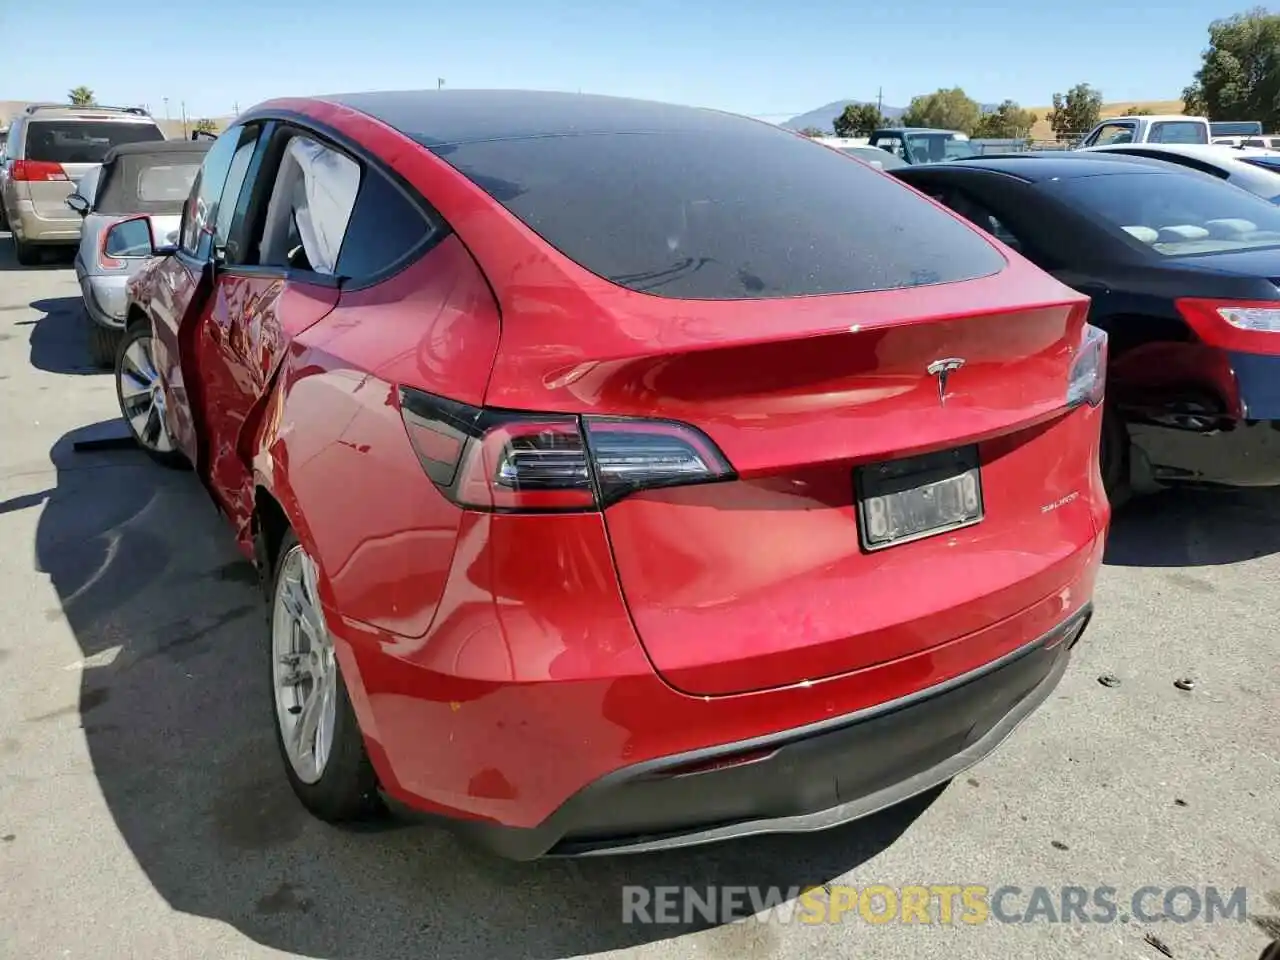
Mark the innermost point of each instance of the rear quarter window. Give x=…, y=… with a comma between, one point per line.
x=743, y=213
x=167, y=183
x=83, y=141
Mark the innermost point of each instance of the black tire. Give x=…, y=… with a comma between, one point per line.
x=104, y=344
x=347, y=790
x=28, y=255
x=1114, y=456
x=173, y=459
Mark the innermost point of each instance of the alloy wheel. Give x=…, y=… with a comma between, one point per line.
x=305, y=670
x=142, y=396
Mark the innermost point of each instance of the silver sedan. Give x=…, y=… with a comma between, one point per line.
x=135, y=180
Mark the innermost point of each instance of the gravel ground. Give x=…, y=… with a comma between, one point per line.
x=143, y=814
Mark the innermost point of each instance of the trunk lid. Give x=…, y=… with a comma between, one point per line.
x=765, y=580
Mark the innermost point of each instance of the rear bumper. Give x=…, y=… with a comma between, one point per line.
x=30, y=227
x=105, y=299
x=803, y=780
x=532, y=719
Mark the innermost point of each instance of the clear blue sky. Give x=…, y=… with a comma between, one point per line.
x=768, y=59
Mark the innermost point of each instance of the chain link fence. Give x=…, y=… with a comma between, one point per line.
x=987, y=146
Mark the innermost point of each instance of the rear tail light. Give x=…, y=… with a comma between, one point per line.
x=37, y=171
x=1247, y=326
x=1088, y=380
x=509, y=461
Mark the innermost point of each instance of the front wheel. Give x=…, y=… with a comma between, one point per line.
x=141, y=395
x=316, y=729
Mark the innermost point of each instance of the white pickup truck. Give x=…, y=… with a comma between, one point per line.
x=1159, y=128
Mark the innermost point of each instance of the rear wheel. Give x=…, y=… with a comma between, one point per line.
x=316, y=729
x=28, y=254
x=104, y=344
x=1114, y=455
x=141, y=396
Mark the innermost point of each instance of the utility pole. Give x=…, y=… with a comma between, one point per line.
x=439, y=83
x=166, y=108
x=235, y=108
x=185, y=132
x=880, y=101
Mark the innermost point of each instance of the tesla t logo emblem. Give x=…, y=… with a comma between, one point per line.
x=942, y=369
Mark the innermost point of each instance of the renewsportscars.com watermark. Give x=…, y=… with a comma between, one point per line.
x=944, y=904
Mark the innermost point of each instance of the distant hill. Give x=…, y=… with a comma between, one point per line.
x=823, y=117
x=1043, y=131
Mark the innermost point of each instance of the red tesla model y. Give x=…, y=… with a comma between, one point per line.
x=621, y=475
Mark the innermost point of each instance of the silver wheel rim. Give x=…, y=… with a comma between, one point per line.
x=304, y=670
x=142, y=396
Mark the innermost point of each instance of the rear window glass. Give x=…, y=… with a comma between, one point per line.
x=1178, y=131
x=1176, y=215
x=83, y=141
x=741, y=213
x=167, y=182
x=933, y=147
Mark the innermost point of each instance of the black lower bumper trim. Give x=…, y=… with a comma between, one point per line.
x=803, y=780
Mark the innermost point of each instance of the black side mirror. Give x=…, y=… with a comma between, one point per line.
x=79, y=204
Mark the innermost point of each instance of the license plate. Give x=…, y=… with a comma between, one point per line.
x=904, y=500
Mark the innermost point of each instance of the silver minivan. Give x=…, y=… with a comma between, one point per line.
x=50, y=147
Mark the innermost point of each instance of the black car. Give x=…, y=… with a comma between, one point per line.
x=1183, y=272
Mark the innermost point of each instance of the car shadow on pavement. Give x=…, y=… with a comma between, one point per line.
x=175, y=710
x=59, y=338
x=1195, y=528
x=55, y=258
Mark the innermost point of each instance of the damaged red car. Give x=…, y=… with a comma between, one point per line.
x=621, y=475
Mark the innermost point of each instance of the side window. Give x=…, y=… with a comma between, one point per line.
x=310, y=205
x=385, y=226
x=892, y=145
x=203, y=213
x=1112, y=133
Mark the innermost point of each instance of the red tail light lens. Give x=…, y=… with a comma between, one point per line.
x=1246, y=326
x=511, y=461
x=37, y=171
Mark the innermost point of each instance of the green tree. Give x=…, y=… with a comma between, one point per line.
x=81, y=96
x=1076, y=112
x=1239, y=75
x=858, y=120
x=205, y=125
x=812, y=132
x=1006, y=122
x=948, y=109
x=1139, y=112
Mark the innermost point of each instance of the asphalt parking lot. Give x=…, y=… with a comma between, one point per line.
x=143, y=813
